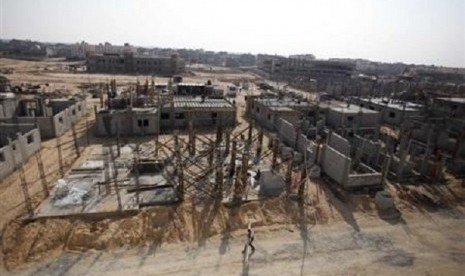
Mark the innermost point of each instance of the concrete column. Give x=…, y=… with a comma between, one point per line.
x=303, y=181
x=426, y=157
x=219, y=175
x=275, y=153
x=386, y=166
x=250, y=132
x=244, y=167
x=219, y=131
x=211, y=154
x=228, y=142
x=402, y=155
x=260, y=143
x=232, y=165
x=179, y=168
x=191, y=138
x=289, y=176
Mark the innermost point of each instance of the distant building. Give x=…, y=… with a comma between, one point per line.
x=131, y=63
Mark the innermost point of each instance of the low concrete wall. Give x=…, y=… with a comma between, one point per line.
x=18, y=151
x=335, y=164
x=287, y=132
x=362, y=180
x=339, y=143
x=56, y=125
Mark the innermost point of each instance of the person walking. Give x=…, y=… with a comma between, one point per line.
x=250, y=239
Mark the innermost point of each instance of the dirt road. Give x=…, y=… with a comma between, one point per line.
x=425, y=245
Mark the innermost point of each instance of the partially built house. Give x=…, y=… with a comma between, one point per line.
x=52, y=116
x=392, y=112
x=268, y=111
x=353, y=117
x=128, y=114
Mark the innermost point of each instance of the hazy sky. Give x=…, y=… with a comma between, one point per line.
x=411, y=31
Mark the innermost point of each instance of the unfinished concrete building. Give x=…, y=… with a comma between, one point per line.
x=131, y=63
x=352, y=117
x=18, y=142
x=52, y=116
x=152, y=112
x=268, y=111
x=392, y=112
x=203, y=112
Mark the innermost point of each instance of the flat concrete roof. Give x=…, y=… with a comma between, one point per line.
x=134, y=109
x=282, y=108
x=190, y=84
x=352, y=109
x=454, y=100
x=282, y=102
x=394, y=105
x=190, y=102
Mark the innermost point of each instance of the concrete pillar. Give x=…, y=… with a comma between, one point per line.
x=386, y=166
x=228, y=143
x=250, y=132
x=179, y=168
x=289, y=176
x=219, y=175
x=426, y=157
x=211, y=154
x=298, y=132
x=303, y=181
x=244, y=167
x=237, y=193
x=191, y=138
x=118, y=149
x=219, y=132
x=275, y=153
x=232, y=165
x=402, y=155
x=260, y=143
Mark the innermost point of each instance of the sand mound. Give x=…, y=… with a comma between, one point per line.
x=166, y=224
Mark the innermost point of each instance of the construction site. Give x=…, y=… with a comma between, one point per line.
x=110, y=174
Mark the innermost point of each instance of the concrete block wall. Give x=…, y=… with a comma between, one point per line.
x=287, y=132
x=339, y=143
x=8, y=108
x=335, y=164
x=18, y=151
x=370, y=149
x=363, y=180
x=56, y=125
x=108, y=124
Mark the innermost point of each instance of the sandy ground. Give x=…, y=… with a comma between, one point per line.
x=431, y=245
x=335, y=237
